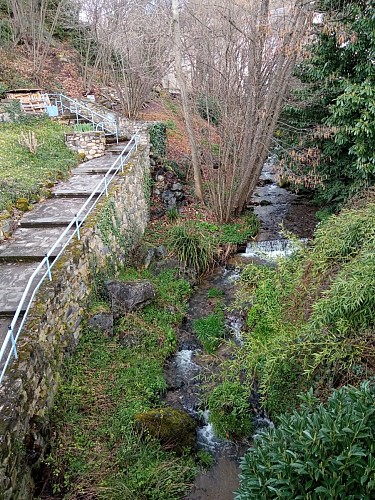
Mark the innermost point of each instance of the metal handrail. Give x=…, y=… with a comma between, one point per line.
x=47, y=264
x=59, y=103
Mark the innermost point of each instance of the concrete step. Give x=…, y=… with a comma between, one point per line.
x=111, y=139
x=99, y=165
x=13, y=280
x=53, y=212
x=116, y=149
x=78, y=186
x=30, y=244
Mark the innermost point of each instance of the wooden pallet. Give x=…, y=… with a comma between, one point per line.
x=32, y=102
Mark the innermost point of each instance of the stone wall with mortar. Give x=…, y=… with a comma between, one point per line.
x=90, y=144
x=53, y=328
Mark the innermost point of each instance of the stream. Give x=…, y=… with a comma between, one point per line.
x=185, y=373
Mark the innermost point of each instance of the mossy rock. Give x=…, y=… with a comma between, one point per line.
x=175, y=429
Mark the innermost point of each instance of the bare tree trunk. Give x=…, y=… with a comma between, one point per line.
x=185, y=101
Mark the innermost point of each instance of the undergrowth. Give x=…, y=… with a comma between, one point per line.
x=199, y=244
x=311, y=320
x=320, y=452
x=96, y=450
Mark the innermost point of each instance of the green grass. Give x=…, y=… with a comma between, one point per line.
x=210, y=329
x=26, y=175
x=96, y=450
x=215, y=293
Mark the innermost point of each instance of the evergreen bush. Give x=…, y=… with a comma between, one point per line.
x=319, y=452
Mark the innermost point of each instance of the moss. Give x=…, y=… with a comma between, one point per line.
x=23, y=204
x=173, y=428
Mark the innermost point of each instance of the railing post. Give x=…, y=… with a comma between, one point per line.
x=48, y=267
x=122, y=163
x=14, y=347
x=77, y=227
x=106, y=186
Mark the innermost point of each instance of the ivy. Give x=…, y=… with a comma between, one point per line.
x=158, y=139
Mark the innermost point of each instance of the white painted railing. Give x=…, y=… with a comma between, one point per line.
x=44, y=269
x=106, y=124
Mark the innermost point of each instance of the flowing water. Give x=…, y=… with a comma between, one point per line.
x=187, y=370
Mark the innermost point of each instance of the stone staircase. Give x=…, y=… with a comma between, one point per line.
x=39, y=229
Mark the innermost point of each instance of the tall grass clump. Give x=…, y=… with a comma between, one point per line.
x=192, y=247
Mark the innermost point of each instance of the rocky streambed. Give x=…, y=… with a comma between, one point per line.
x=186, y=372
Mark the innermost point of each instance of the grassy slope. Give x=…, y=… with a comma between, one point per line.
x=23, y=174
x=312, y=320
x=96, y=450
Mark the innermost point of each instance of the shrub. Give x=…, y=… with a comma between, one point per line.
x=230, y=410
x=321, y=451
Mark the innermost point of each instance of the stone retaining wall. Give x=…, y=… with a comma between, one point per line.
x=90, y=144
x=53, y=328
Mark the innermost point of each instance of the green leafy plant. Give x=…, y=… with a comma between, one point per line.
x=230, y=410
x=319, y=452
x=83, y=127
x=170, y=125
x=158, y=139
x=205, y=459
x=210, y=330
x=214, y=293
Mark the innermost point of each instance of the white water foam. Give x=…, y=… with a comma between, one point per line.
x=206, y=436
x=272, y=249
x=234, y=324
x=184, y=362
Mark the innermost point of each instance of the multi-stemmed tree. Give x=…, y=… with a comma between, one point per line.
x=241, y=56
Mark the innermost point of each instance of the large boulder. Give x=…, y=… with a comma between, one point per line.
x=175, y=429
x=129, y=296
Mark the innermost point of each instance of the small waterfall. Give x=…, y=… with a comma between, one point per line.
x=271, y=250
x=206, y=438
x=234, y=324
x=185, y=364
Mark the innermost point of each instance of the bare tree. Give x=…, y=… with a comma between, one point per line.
x=132, y=46
x=34, y=23
x=185, y=100
x=242, y=55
